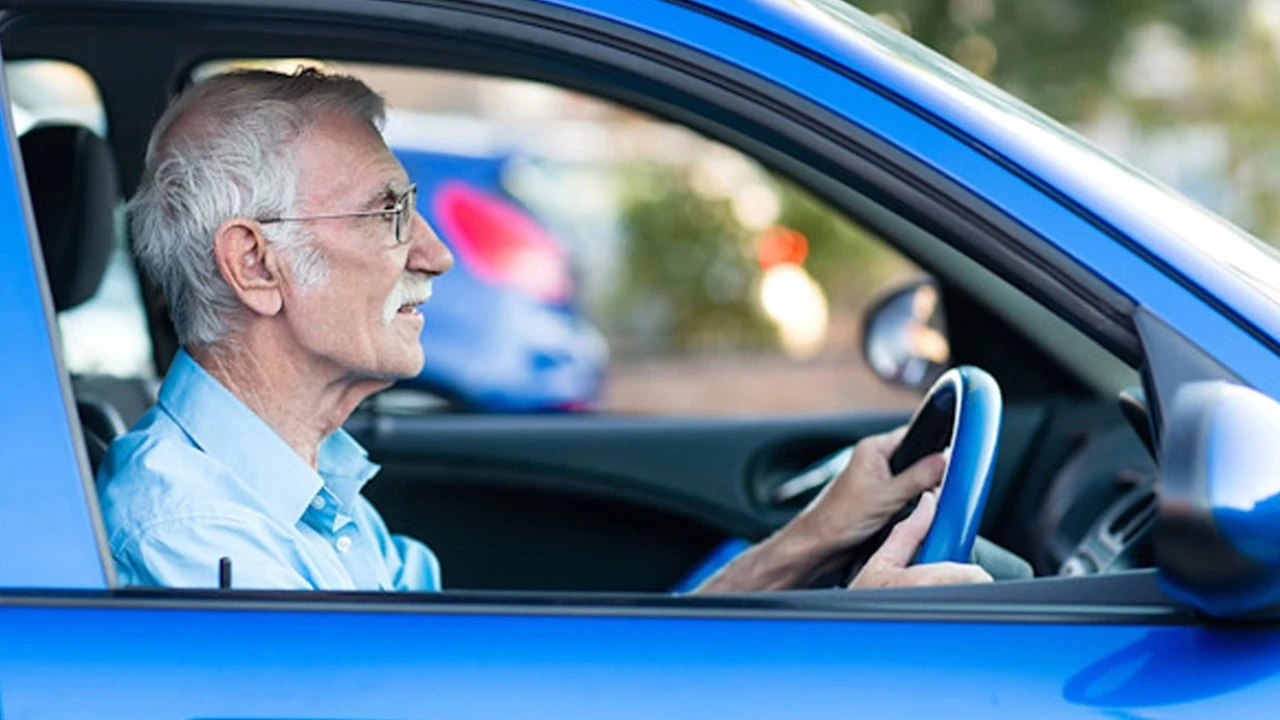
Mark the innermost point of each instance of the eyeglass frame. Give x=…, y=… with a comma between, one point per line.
x=401, y=217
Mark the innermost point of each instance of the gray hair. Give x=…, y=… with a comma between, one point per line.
x=224, y=148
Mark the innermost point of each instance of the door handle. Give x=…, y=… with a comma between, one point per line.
x=815, y=476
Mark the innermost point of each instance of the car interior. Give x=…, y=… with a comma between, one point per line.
x=596, y=502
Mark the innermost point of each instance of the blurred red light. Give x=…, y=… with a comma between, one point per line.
x=780, y=245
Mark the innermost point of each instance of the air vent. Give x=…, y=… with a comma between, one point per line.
x=1135, y=518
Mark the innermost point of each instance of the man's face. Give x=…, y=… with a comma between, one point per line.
x=362, y=318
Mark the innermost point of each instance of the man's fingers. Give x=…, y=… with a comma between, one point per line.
x=925, y=474
x=888, y=567
x=893, y=438
x=885, y=443
x=905, y=539
x=943, y=573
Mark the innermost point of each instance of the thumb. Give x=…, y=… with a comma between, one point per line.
x=904, y=541
x=924, y=475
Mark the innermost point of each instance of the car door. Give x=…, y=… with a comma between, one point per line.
x=1066, y=647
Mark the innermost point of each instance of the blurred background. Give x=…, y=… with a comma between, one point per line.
x=610, y=261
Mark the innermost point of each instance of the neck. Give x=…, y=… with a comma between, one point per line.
x=302, y=400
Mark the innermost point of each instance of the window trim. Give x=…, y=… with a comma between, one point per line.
x=1130, y=598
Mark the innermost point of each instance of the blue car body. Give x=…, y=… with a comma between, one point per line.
x=72, y=646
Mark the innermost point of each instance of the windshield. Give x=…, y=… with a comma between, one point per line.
x=1211, y=237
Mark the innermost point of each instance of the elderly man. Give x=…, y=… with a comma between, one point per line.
x=284, y=236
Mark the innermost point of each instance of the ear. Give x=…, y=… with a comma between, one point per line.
x=249, y=265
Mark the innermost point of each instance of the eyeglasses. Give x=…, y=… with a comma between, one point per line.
x=400, y=214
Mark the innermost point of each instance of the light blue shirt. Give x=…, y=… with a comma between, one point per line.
x=202, y=477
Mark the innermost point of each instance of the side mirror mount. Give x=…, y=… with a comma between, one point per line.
x=905, y=336
x=1217, y=533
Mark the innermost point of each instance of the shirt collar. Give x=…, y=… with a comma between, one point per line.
x=345, y=466
x=225, y=428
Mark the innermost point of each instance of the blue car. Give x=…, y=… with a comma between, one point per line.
x=509, y=300
x=1109, y=395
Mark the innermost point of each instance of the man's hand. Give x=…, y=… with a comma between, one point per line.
x=864, y=497
x=849, y=510
x=888, y=567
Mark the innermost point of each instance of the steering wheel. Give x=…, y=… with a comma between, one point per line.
x=962, y=412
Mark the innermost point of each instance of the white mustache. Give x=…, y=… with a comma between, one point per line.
x=413, y=289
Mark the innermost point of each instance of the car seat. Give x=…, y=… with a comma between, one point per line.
x=75, y=191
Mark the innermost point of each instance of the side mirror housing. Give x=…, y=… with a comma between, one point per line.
x=1217, y=534
x=905, y=336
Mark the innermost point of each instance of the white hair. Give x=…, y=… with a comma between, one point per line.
x=224, y=148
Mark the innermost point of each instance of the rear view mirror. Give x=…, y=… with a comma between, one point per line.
x=905, y=336
x=1217, y=536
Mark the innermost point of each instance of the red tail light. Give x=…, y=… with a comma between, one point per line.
x=501, y=243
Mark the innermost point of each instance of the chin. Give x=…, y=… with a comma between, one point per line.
x=393, y=366
x=408, y=366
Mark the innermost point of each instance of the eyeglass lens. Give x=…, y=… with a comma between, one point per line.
x=404, y=218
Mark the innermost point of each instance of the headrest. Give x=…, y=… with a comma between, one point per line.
x=71, y=176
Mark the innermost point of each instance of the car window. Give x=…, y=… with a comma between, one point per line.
x=609, y=261
x=107, y=333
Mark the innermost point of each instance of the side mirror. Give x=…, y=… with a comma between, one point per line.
x=905, y=336
x=1217, y=534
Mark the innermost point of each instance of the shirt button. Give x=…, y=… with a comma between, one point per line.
x=317, y=502
x=343, y=544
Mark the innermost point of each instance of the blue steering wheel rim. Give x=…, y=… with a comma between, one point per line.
x=966, y=482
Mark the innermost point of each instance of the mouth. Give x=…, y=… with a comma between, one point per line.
x=404, y=300
x=410, y=307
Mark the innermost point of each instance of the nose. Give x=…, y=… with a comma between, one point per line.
x=427, y=253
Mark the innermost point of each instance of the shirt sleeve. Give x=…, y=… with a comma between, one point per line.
x=186, y=553
x=411, y=565
x=417, y=569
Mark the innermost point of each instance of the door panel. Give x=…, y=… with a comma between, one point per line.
x=491, y=534
x=425, y=660
x=586, y=502
x=606, y=503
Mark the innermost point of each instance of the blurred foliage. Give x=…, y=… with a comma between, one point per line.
x=1187, y=87
x=1056, y=54
x=851, y=264
x=691, y=272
